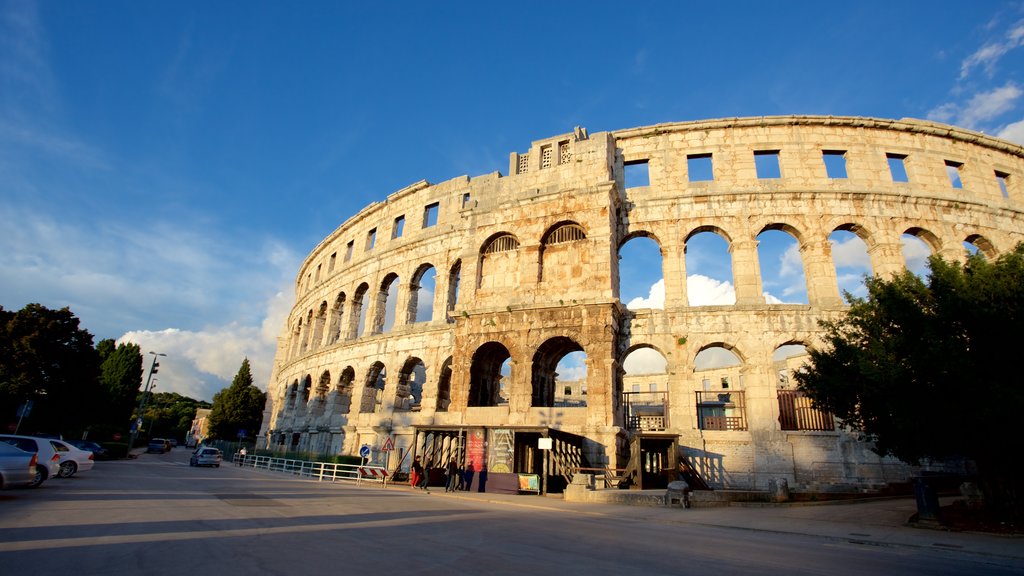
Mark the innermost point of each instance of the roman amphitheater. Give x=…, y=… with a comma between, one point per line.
x=433, y=323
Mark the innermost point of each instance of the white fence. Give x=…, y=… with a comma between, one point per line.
x=319, y=470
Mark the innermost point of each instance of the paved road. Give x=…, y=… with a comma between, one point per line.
x=156, y=515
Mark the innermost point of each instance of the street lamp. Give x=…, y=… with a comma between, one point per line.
x=142, y=402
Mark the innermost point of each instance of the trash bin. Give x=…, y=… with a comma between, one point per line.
x=927, y=500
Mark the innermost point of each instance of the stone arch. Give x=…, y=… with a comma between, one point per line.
x=306, y=389
x=293, y=392
x=983, y=245
x=305, y=333
x=562, y=256
x=916, y=245
x=357, y=318
x=543, y=375
x=373, y=388
x=778, y=249
x=337, y=315
x=444, y=386
x=409, y=391
x=485, y=374
x=318, y=326
x=851, y=258
x=645, y=285
x=384, y=311
x=721, y=399
x=422, y=291
x=346, y=385
x=498, y=268
x=454, y=279
x=640, y=365
x=296, y=338
x=323, y=386
x=708, y=282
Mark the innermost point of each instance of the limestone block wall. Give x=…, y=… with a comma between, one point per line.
x=526, y=270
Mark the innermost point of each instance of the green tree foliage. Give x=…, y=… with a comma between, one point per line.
x=120, y=379
x=928, y=370
x=47, y=358
x=238, y=407
x=169, y=415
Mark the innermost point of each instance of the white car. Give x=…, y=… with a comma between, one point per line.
x=72, y=458
x=206, y=456
x=48, y=461
x=17, y=467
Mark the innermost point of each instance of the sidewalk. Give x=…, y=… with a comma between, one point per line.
x=878, y=522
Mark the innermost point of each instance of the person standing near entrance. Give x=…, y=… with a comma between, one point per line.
x=452, y=474
x=417, y=472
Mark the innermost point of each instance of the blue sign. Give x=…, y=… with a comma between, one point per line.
x=364, y=451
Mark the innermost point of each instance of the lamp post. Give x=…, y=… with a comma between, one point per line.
x=142, y=401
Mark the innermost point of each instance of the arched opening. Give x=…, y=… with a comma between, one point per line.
x=323, y=385
x=721, y=403
x=454, y=278
x=852, y=262
x=444, y=386
x=293, y=394
x=346, y=385
x=386, y=298
x=318, y=326
x=498, y=263
x=796, y=411
x=544, y=380
x=373, y=389
x=486, y=375
x=421, y=294
x=709, y=278
x=917, y=245
x=409, y=392
x=641, y=280
x=337, y=315
x=782, y=267
x=357, y=320
x=562, y=257
x=645, y=388
x=307, y=388
x=977, y=244
x=305, y=333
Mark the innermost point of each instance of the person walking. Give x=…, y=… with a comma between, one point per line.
x=452, y=475
x=417, y=472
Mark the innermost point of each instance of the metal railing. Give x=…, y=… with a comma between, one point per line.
x=319, y=470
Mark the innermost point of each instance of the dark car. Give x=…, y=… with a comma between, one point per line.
x=98, y=451
x=157, y=446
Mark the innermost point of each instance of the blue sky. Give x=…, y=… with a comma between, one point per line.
x=165, y=166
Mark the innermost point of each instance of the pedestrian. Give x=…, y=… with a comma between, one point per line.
x=241, y=454
x=417, y=472
x=452, y=474
x=425, y=480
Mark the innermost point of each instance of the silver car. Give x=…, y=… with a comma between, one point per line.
x=48, y=461
x=72, y=458
x=206, y=456
x=17, y=467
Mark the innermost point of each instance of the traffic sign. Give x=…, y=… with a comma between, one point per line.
x=388, y=446
x=364, y=451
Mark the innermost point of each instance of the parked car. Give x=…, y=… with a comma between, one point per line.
x=157, y=446
x=17, y=467
x=97, y=449
x=72, y=459
x=47, y=463
x=206, y=456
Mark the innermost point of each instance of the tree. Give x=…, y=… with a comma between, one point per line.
x=238, y=407
x=120, y=379
x=46, y=358
x=928, y=370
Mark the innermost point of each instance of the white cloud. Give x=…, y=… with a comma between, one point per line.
x=715, y=358
x=988, y=55
x=851, y=253
x=655, y=298
x=987, y=106
x=704, y=291
x=1014, y=132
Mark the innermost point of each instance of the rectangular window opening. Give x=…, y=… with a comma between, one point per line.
x=330, y=265
x=465, y=199
x=637, y=174
x=897, y=167
x=766, y=162
x=396, y=232
x=348, y=250
x=1003, y=178
x=317, y=277
x=953, y=171
x=699, y=168
x=835, y=163
x=430, y=215
x=371, y=239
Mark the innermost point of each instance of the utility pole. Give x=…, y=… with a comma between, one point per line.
x=142, y=402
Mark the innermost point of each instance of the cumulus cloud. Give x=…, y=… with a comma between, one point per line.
x=644, y=361
x=851, y=253
x=655, y=298
x=704, y=291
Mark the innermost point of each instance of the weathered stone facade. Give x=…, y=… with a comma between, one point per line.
x=527, y=268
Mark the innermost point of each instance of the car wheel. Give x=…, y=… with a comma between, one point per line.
x=216, y=465
x=67, y=470
x=40, y=477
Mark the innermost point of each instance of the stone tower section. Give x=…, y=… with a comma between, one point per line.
x=438, y=316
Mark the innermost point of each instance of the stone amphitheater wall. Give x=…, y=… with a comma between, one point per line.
x=538, y=298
